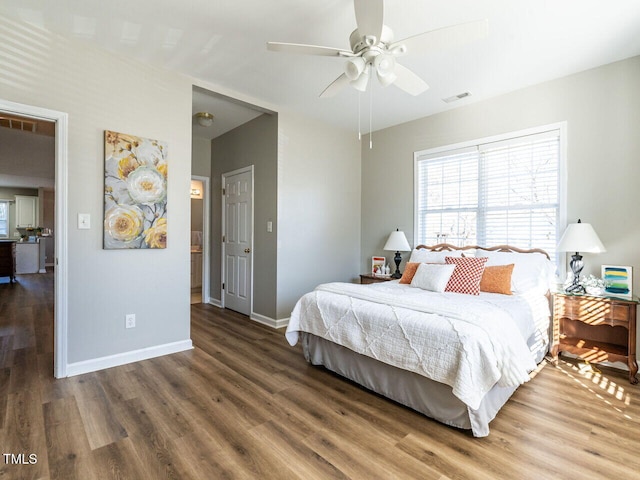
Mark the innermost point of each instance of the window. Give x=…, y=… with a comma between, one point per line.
x=494, y=192
x=4, y=219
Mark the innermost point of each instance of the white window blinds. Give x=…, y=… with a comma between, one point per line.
x=494, y=193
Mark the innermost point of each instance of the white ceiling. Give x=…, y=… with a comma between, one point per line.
x=223, y=43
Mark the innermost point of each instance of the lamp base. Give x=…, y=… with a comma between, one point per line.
x=397, y=259
x=576, y=265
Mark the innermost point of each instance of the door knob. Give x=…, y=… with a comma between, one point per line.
x=247, y=250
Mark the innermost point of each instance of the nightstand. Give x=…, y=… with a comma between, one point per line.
x=366, y=278
x=596, y=329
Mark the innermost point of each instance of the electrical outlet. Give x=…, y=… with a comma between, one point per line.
x=130, y=320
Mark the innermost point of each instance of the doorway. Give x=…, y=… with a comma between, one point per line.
x=200, y=248
x=60, y=236
x=237, y=240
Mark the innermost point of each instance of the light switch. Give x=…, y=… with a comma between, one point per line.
x=269, y=226
x=84, y=221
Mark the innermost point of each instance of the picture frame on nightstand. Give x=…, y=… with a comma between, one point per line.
x=377, y=265
x=618, y=280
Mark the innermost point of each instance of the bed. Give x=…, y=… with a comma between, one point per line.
x=452, y=339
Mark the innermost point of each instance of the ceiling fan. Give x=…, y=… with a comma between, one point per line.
x=373, y=50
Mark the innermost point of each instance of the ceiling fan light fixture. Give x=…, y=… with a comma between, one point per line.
x=354, y=68
x=384, y=64
x=204, y=119
x=362, y=81
x=388, y=79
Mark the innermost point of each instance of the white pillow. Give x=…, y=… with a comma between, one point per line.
x=423, y=255
x=432, y=277
x=532, y=272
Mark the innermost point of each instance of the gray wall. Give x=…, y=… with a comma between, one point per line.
x=197, y=206
x=101, y=91
x=254, y=143
x=24, y=154
x=602, y=110
x=201, y=157
x=319, y=189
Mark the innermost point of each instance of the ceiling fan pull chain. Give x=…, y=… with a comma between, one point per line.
x=359, y=115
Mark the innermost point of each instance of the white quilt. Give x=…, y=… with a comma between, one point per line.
x=467, y=342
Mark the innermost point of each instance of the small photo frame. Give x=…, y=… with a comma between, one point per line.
x=618, y=280
x=377, y=265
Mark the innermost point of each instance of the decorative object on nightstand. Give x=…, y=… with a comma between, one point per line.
x=618, y=280
x=597, y=329
x=378, y=265
x=579, y=237
x=397, y=242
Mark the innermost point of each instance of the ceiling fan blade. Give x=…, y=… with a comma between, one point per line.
x=336, y=86
x=408, y=81
x=445, y=37
x=307, y=49
x=369, y=17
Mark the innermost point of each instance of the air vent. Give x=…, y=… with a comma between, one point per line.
x=457, y=97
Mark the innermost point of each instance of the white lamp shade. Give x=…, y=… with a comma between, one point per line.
x=397, y=242
x=580, y=237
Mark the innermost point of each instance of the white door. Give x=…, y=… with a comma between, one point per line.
x=237, y=240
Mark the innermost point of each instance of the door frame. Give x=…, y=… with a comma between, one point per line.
x=248, y=169
x=206, y=192
x=61, y=275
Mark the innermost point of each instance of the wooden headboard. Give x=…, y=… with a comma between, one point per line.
x=446, y=247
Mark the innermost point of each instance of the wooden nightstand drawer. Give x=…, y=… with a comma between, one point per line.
x=593, y=310
x=367, y=278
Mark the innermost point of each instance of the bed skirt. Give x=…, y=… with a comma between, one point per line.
x=431, y=398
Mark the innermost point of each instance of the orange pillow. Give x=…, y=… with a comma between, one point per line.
x=497, y=279
x=409, y=271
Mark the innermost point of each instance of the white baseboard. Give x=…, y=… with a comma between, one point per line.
x=95, y=364
x=268, y=321
x=215, y=302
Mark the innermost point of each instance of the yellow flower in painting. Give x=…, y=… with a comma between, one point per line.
x=156, y=236
x=162, y=168
x=126, y=165
x=124, y=222
x=147, y=185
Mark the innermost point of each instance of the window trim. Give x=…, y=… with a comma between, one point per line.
x=461, y=146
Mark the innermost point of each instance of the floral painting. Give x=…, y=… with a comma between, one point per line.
x=135, y=192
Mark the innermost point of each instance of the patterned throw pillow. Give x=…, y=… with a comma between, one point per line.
x=497, y=279
x=467, y=275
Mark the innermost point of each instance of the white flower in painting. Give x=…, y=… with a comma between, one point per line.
x=147, y=185
x=150, y=152
x=124, y=223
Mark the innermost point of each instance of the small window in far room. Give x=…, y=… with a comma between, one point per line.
x=496, y=191
x=4, y=219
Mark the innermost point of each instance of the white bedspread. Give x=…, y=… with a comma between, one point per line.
x=467, y=342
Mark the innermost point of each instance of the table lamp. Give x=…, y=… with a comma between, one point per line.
x=397, y=242
x=579, y=237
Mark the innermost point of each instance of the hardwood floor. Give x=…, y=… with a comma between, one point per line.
x=244, y=404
